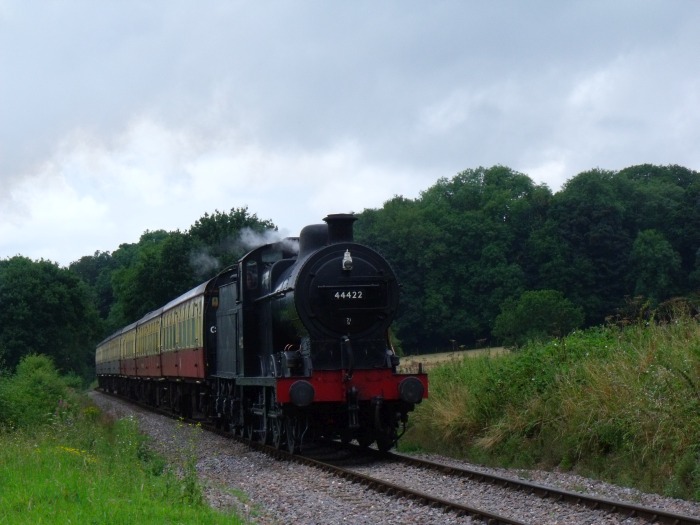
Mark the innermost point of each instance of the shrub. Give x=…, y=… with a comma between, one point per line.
x=36, y=394
x=536, y=315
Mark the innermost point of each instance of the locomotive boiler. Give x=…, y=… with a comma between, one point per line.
x=288, y=346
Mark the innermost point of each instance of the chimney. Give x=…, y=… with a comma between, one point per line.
x=340, y=227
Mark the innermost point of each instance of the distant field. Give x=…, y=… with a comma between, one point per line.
x=410, y=363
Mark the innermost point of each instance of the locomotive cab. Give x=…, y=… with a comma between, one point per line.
x=257, y=340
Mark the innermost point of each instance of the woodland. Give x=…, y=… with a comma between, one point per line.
x=485, y=258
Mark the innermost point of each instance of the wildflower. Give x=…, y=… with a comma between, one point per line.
x=80, y=453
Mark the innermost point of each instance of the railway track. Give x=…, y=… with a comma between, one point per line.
x=627, y=510
x=357, y=462
x=369, y=468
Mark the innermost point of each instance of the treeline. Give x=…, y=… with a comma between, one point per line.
x=485, y=257
x=489, y=254
x=64, y=312
x=138, y=278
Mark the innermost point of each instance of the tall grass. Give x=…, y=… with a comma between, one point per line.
x=619, y=404
x=71, y=464
x=94, y=474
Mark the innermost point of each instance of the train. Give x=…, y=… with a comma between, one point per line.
x=290, y=345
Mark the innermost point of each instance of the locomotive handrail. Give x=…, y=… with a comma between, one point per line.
x=354, y=284
x=276, y=293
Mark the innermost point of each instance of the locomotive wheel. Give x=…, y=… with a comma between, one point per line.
x=249, y=433
x=257, y=429
x=385, y=442
x=263, y=431
x=365, y=438
x=345, y=436
x=292, y=429
x=386, y=434
x=277, y=427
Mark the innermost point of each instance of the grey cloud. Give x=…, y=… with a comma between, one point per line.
x=417, y=87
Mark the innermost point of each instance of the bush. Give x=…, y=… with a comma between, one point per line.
x=536, y=315
x=35, y=395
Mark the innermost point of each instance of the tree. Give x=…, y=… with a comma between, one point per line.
x=217, y=237
x=667, y=199
x=160, y=271
x=654, y=266
x=96, y=271
x=47, y=310
x=484, y=217
x=589, y=243
x=163, y=265
x=458, y=251
x=538, y=314
x=401, y=235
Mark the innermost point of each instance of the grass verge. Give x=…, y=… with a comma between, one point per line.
x=85, y=468
x=619, y=404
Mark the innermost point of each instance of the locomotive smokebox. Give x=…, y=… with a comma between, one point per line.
x=335, y=288
x=340, y=227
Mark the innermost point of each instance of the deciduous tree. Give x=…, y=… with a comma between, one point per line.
x=536, y=314
x=45, y=309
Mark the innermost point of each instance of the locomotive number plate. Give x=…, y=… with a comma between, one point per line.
x=352, y=296
x=349, y=294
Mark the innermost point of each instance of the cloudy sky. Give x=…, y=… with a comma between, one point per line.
x=118, y=117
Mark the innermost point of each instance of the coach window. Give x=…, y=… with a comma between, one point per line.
x=197, y=321
x=185, y=326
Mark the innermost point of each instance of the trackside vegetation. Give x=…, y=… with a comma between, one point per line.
x=618, y=404
x=63, y=461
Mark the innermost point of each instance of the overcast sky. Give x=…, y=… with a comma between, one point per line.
x=121, y=116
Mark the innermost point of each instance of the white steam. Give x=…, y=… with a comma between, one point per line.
x=250, y=239
x=206, y=264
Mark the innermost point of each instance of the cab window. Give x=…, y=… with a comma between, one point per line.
x=251, y=275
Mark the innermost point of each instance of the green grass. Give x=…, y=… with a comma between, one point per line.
x=62, y=461
x=92, y=470
x=618, y=404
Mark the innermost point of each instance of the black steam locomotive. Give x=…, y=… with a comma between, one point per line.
x=289, y=345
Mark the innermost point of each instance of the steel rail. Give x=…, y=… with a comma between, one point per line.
x=390, y=489
x=628, y=510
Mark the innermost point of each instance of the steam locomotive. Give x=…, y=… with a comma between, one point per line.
x=289, y=345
